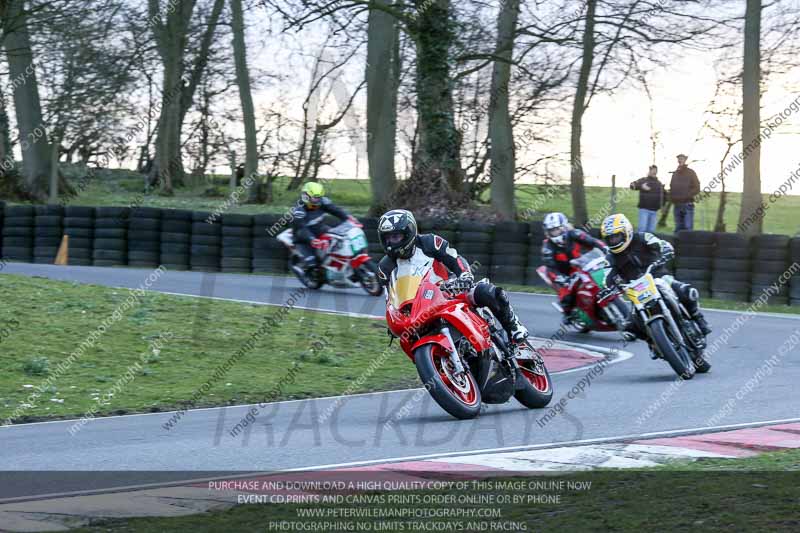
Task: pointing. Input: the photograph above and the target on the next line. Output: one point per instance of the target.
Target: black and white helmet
(556, 226)
(397, 232)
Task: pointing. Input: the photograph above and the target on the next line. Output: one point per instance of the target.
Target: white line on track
(433, 456)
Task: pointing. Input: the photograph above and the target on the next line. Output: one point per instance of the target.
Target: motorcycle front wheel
(309, 278)
(537, 388)
(368, 278)
(677, 357)
(457, 394)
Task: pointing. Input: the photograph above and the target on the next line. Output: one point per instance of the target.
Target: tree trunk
(501, 134)
(33, 137)
(750, 221)
(53, 197)
(6, 155)
(579, 209)
(383, 75)
(438, 161)
(246, 98)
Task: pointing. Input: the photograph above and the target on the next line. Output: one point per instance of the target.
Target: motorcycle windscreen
(407, 278)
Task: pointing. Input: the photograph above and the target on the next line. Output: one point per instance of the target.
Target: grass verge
(753, 494)
(163, 349)
(124, 188)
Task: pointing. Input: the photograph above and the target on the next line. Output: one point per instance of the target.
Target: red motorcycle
(588, 281)
(462, 354)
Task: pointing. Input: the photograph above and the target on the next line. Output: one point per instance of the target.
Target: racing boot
(700, 320)
(516, 330)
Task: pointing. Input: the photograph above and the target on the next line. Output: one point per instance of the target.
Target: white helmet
(556, 226)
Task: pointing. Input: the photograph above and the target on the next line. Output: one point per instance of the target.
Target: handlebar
(456, 285)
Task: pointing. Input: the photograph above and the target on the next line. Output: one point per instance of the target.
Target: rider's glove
(605, 293)
(466, 278)
(561, 279)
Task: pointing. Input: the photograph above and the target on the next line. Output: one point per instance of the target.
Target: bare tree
(27, 105)
(500, 128)
(383, 81)
(751, 119)
(246, 98)
(171, 30)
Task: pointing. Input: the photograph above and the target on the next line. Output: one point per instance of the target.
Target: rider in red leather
(563, 243)
(397, 230)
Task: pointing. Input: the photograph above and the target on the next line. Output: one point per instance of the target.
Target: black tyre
(145, 224)
(78, 211)
(81, 233)
(677, 356)
(537, 390)
(18, 231)
(201, 228)
(368, 278)
(729, 265)
(309, 279)
(207, 240)
(731, 240)
(458, 395)
(237, 231)
(176, 214)
(771, 254)
(732, 253)
(177, 248)
(730, 295)
(110, 233)
(693, 262)
(176, 237)
(111, 244)
(176, 226)
(705, 238)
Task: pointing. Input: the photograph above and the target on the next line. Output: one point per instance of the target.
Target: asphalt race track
(635, 397)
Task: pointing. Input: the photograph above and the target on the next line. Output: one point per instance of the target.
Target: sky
(616, 128)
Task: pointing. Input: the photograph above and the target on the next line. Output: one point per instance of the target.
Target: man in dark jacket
(651, 199)
(682, 189)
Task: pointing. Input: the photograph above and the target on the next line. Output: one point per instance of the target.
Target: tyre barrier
(510, 252)
(475, 245)
(694, 252)
(269, 255)
(206, 243)
(176, 239)
(726, 266)
(144, 237)
(18, 231)
(110, 247)
(770, 259)
(78, 225)
(48, 232)
(730, 270)
(237, 243)
(794, 283)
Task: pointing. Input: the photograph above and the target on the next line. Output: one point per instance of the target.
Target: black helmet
(397, 231)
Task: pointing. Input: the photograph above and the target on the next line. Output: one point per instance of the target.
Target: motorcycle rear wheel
(458, 395)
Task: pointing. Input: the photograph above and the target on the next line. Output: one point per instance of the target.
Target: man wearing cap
(682, 189)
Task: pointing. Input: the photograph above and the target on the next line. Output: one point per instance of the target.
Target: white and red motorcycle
(342, 260)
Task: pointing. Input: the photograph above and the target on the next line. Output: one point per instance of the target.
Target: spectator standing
(682, 190)
(651, 199)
